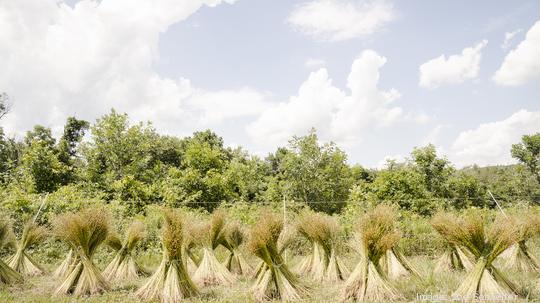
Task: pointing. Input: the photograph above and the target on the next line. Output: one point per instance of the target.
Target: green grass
(40, 289)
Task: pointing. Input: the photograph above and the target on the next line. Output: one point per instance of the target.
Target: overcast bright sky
(376, 77)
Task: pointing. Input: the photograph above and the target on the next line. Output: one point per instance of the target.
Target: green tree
(248, 176)
(202, 180)
(74, 131)
(117, 149)
(528, 153)
(434, 170)
(10, 152)
(466, 191)
(41, 134)
(403, 186)
(315, 174)
(40, 165)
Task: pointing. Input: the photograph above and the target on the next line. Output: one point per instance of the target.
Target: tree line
(114, 159)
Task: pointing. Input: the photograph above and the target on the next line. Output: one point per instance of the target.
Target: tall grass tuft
(286, 238)
(84, 231)
(124, 266)
(235, 236)
(8, 276)
(485, 242)
(309, 263)
(193, 228)
(210, 237)
(171, 282)
(454, 257)
(324, 232)
(274, 279)
(376, 235)
(519, 256)
(21, 261)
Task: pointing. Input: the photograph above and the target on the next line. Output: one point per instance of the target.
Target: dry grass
(124, 266)
(486, 241)
(235, 236)
(69, 260)
(8, 276)
(518, 255)
(210, 236)
(274, 280)
(40, 289)
(454, 257)
(171, 282)
(323, 232)
(84, 231)
(396, 265)
(21, 261)
(368, 281)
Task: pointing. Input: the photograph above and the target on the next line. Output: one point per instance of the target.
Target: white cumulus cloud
(337, 114)
(454, 69)
(522, 64)
(59, 61)
(508, 37)
(336, 20)
(490, 143)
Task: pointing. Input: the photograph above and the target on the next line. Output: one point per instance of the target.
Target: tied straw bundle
(21, 261)
(485, 241)
(124, 266)
(376, 235)
(8, 276)
(84, 231)
(274, 279)
(171, 282)
(210, 270)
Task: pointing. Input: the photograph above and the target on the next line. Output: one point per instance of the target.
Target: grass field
(40, 289)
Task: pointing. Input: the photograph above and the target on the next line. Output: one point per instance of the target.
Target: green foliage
(74, 131)
(467, 191)
(132, 167)
(315, 174)
(528, 153)
(9, 156)
(434, 170)
(40, 134)
(248, 177)
(405, 187)
(68, 198)
(511, 185)
(117, 149)
(18, 203)
(41, 168)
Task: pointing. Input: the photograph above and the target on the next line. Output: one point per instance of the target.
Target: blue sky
(258, 72)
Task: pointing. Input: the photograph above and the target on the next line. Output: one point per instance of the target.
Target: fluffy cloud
(508, 37)
(454, 69)
(490, 143)
(522, 64)
(342, 19)
(338, 115)
(59, 61)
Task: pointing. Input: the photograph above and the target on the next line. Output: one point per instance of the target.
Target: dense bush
(133, 167)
